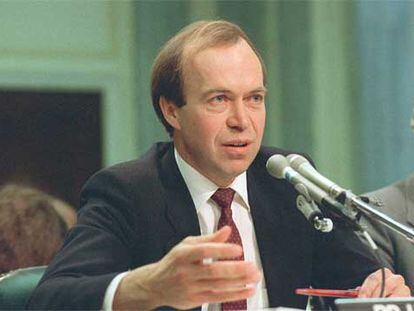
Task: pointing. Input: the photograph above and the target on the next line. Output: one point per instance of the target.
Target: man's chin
(235, 168)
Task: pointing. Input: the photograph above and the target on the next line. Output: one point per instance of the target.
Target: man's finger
(227, 295)
(229, 270)
(223, 284)
(370, 287)
(401, 291)
(226, 280)
(198, 252)
(394, 285)
(221, 235)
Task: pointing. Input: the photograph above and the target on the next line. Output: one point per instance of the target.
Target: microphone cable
(378, 257)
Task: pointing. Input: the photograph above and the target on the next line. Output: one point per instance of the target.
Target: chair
(16, 287)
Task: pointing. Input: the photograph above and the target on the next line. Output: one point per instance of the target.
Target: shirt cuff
(110, 292)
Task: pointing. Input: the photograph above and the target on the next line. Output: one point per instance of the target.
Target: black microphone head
(296, 160)
(276, 165)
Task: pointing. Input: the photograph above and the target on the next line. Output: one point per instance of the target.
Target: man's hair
(167, 72)
(31, 230)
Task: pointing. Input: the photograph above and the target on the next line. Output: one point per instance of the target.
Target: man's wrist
(134, 291)
(110, 292)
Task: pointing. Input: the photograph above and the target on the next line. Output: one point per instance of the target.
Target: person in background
(32, 229)
(198, 221)
(65, 211)
(396, 201)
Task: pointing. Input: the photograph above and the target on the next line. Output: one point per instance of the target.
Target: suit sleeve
(94, 252)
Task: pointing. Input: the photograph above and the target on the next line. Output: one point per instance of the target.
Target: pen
(348, 293)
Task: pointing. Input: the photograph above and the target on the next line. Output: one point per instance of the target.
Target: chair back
(16, 287)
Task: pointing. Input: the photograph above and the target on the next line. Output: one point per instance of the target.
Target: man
(145, 217)
(397, 201)
(31, 229)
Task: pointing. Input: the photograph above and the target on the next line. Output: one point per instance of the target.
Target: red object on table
(347, 293)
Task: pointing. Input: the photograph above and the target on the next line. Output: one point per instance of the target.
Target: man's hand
(394, 285)
(182, 280)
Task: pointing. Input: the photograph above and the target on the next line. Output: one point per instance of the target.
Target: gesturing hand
(182, 280)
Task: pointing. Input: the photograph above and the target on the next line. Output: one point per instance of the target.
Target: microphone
(303, 167)
(353, 203)
(278, 167)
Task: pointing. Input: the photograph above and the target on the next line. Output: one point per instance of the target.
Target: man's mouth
(236, 144)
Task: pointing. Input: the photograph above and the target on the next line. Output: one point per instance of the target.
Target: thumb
(219, 236)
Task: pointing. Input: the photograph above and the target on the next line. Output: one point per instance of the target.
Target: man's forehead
(192, 49)
(208, 92)
(194, 56)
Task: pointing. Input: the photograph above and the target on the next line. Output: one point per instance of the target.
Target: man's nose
(239, 116)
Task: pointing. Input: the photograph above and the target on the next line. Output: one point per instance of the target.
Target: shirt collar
(201, 188)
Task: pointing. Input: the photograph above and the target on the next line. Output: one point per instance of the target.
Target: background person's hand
(181, 279)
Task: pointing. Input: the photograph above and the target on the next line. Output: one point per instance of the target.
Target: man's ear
(169, 110)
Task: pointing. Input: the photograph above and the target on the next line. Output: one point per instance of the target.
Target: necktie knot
(223, 197)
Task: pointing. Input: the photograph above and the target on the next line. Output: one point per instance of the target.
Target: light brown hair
(31, 230)
(167, 71)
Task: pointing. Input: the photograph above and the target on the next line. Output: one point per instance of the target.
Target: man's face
(219, 130)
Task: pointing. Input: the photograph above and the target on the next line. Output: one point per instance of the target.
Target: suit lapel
(180, 210)
(279, 237)
(266, 220)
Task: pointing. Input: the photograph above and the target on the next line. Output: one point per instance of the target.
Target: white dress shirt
(208, 213)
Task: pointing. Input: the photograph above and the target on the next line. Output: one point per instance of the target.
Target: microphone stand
(307, 206)
(310, 210)
(351, 201)
(354, 202)
(350, 218)
(316, 302)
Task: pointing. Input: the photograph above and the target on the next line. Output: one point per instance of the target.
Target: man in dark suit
(137, 244)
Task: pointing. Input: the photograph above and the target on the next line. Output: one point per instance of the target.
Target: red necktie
(223, 197)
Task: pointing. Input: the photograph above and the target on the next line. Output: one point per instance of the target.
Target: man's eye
(257, 98)
(218, 99)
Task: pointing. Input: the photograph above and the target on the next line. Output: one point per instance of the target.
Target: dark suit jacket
(132, 214)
